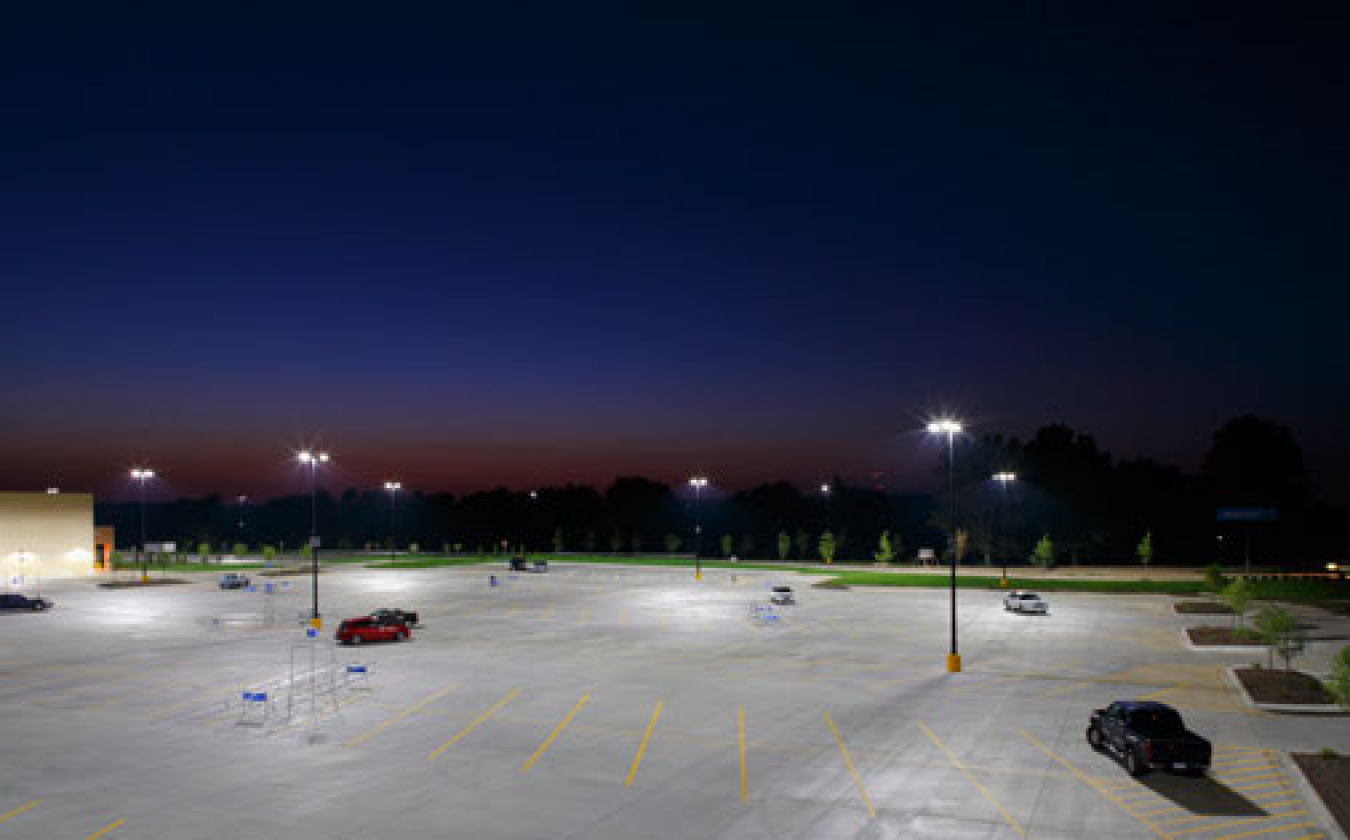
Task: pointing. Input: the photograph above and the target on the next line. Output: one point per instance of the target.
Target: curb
(1287, 708)
(1187, 643)
(1315, 804)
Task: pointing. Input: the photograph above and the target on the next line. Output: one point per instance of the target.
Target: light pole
(141, 475)
(393, 487)
(825, 491)
(698, 482)
(312, 460)
(1004, 478)
(951, 428)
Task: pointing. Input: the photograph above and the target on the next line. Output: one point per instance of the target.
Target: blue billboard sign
(1248, 514)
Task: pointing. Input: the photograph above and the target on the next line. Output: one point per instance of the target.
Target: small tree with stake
(1279, 631)
(1044, 553)
(784, 545)
(1238, 596)
(827, 547)
(1144, 551)
(885, 552)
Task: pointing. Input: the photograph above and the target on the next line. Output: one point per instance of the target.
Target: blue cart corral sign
(1251, 514)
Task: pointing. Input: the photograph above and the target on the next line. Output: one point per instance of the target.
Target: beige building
(46, 535)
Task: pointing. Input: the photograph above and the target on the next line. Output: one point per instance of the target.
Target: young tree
(673, 542)
(305, 552)
(728, 545)
(1338, 684)
(827, 547)
(784, 545)
(1238, 596)
(1281, 633)
(269, 553)
(557, 541)
(204, 552)
(1144, 551)
(1044, 553)
(1214, 579)
(239, 550)
(885, 552)
(962, 541)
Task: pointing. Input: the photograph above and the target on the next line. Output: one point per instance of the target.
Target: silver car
(1025, 602)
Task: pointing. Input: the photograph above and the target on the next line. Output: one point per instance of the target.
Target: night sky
(529, 244)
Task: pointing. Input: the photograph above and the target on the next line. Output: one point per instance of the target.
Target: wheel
(400, 636)
(39, 607)
(1094, 738)
(1133, 765)
(356, 640)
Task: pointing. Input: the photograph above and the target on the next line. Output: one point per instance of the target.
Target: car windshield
(1156, 722)
(1029, 596)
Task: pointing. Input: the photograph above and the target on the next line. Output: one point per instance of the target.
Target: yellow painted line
(1256, 759)
(1065, 689)
(1286, 803)
(105, 829)
(476, 610)
(1233, 748)
(1162, 691)
(1162, 811)
(642, 747)
(1271, 830)
(956, 762)
(1254, 776)
(1241, 823)
(1277, 783)
(1085, 779)
(740, 740)
(408, 711)
(557, 730)
(623, 616)
(546, 613)
(853, 771)
(475, 723)
(982, 684)
(19, 810)
(585, 615)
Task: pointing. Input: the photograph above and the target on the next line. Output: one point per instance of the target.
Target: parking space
(622, 703)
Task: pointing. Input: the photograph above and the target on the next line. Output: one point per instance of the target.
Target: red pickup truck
(355, 631)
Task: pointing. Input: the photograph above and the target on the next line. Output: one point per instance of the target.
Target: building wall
(46, 536)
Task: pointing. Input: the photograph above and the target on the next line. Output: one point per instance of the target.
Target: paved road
(613, 703)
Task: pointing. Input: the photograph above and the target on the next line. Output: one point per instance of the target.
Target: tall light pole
(698, 482)
(1004, 478)
(951, 428)
(393, 487)
(825, 491)
(312, 460)
(141, 475)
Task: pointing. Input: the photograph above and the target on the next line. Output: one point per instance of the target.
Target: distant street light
(698, 482)
(951, 428)
(393, 487)
(141, 475)
(1004, 479)
(312, 460)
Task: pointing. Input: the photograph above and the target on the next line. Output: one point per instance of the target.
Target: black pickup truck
(1148, 735)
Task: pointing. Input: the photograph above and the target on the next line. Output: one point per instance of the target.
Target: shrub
(1338, 685)
(1328, 752)
(1214, 579)
(1238, 596)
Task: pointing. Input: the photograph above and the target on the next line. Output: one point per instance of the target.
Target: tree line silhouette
(1095, 509)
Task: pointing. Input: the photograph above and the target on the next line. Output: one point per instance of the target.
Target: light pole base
(698, 575)
(1003, 583)
(316, 623)
(953, 663)
(145, 578)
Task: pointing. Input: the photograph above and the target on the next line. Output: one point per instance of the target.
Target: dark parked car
(356, 631)
(1147, 735)
(15, 601)
(233, 580)
(395, 616)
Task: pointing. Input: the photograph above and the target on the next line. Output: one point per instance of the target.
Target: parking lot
(605, 702)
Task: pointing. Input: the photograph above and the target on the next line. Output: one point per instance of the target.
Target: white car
(782, 595)
(1025, 602)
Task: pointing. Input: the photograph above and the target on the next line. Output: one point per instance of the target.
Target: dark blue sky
(532, 244)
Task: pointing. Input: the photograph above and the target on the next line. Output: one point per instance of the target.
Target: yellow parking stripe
(1280, 783)
(1253, 776)
(740, 738)
(474, 724)
(1240, 823)
(557, 730)
(956, 762)
(1065, 689)
(1087, 780)
(1266, 830)
(853, 771)
(19, 810)
(105, 829)
(410, 710)
(642, 747)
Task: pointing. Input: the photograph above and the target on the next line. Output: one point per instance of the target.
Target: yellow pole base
(698, 575)
(145, 578)
(1003, 583)
(316, 623)
(953, 663)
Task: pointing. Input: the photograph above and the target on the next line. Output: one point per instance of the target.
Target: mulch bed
(1202, 608)
(135, 584)
(1269, 685)
(1330, 777)
(1221, 636)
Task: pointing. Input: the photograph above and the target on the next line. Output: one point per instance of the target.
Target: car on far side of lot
(357, 631)
(234, 580)
(1022, 601)
(15, 601)
(1146, 734)
(782, 595)
(391, 615)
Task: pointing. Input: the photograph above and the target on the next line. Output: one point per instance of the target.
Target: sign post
(1250, 516)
